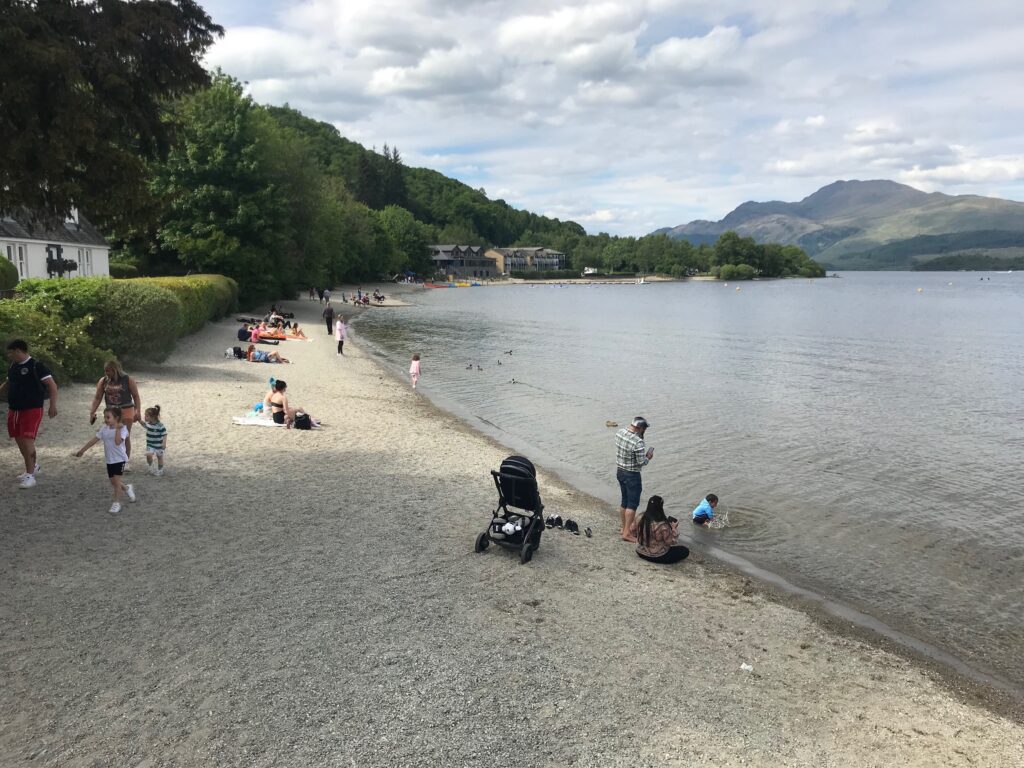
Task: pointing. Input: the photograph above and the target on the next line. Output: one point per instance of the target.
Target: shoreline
(978, 686)
(302, 598)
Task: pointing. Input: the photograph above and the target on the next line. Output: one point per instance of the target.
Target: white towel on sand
(254, 421)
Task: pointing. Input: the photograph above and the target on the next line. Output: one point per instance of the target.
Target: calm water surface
(866, 437)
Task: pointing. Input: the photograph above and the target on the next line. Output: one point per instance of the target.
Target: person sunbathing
(281, 411)
(254, 355)
(297, 332)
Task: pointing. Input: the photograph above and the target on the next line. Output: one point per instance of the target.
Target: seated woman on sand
(254, 355)
(656, 535)
(297, 332)
(281, 411)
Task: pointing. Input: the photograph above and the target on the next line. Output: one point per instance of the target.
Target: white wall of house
(29, 256)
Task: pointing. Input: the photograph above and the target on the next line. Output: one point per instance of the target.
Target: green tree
(82, 86)
(408, 239)
(227, 213)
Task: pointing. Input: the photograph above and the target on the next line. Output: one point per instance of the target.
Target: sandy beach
(288, 598)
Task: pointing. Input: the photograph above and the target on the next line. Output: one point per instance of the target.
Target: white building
(38, 248)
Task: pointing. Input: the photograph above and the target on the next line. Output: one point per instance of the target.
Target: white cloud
(632, 114)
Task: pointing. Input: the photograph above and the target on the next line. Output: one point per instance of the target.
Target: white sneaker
(23, 475)
(115, 508)
(28, 481)
(158, 472)
(130, 490)
(154, 471)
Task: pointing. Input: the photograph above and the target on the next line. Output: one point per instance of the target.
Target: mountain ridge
(846, 223)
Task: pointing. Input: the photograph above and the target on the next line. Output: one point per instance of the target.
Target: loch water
(866, 432)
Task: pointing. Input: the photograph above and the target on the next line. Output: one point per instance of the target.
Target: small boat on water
(435, 285)
(641, 281)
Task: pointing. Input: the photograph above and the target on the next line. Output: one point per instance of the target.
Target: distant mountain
(873, 225)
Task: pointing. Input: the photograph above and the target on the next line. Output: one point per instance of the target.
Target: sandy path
(285, 598)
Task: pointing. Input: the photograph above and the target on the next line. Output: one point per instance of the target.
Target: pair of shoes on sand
(555, 521)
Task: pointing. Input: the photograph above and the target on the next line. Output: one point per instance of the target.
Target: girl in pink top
(340, 333)
(414, 369)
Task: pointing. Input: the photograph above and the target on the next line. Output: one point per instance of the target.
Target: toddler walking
(113, 434)
(414, 369)
(156, 441)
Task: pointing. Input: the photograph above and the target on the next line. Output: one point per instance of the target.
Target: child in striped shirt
(156, 441)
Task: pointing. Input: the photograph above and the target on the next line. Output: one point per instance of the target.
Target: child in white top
(414, 369)
(113, 434)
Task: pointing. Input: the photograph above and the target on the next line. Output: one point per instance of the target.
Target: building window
(21, 261)
(87, 264)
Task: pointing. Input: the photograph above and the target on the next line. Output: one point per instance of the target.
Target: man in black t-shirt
(28, 384)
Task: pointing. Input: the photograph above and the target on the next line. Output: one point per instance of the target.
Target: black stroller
(519, 528)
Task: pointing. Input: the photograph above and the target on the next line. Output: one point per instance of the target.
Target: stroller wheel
(481, 543)
(527, 553)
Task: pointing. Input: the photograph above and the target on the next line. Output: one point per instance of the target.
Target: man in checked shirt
(631, 455)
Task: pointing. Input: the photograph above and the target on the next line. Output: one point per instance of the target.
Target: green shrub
(203, 297)
(120, 271)
(65, 346)
(736, 272)
(138, 321)
(8, 275)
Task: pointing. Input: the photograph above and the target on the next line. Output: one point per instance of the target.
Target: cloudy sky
(628, 115)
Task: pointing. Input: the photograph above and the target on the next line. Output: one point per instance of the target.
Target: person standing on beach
(327, 295)
(414, 369)
(28, 383)
(340, 332)
(631, 456)
(328, 314)
(116, 388)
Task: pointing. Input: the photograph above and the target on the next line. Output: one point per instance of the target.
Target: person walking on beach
(340, 333)
(631, 456)
(114, 436)
(327, 295)
(414, 369)
(28, 384)
(116, 388)
(328, 314)
(156, 441)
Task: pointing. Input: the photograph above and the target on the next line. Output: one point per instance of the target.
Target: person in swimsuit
(118, 390)
(254, 355)
(276, 402)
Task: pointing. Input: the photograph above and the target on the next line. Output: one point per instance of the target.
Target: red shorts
(24, 423)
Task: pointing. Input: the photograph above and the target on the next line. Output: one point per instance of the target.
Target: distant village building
(463, 261)
(531, 259)
(72, 248)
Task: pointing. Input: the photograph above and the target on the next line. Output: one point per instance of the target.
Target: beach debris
(611, 423)
(479, 368)
(588, 531)
(746, 667)
(920, 290)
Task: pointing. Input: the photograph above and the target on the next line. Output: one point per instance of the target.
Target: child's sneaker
(130, 490)
(28, 481)
(35, 472)
(158, 472)
(115, 508)
(154, 470)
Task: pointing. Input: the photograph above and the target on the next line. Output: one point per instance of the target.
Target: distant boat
(433, 285)
(641, 281)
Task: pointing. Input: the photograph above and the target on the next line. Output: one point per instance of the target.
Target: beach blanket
(254, 421)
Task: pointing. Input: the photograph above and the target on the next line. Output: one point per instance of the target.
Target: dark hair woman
(656, 535)
(118, 390)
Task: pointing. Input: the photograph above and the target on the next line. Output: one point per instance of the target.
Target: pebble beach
(291, 598)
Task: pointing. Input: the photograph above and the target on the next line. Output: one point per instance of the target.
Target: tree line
(185, 172)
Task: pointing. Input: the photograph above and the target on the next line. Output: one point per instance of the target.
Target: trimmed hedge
(65, 346)
(139, 319)
(203, 298)
(120, 271)
(8, 274)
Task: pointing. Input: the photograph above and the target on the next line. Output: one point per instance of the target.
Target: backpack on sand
(302, 421)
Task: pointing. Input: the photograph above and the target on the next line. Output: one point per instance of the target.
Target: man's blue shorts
(630, 485)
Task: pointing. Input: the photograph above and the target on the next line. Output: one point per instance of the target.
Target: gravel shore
(287, 598)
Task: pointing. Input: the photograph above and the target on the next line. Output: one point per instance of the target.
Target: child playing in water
(156, 441)
(113, 434)
(414, 369)
(705, 511)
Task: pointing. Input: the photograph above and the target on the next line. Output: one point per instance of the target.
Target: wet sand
(286, 598)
